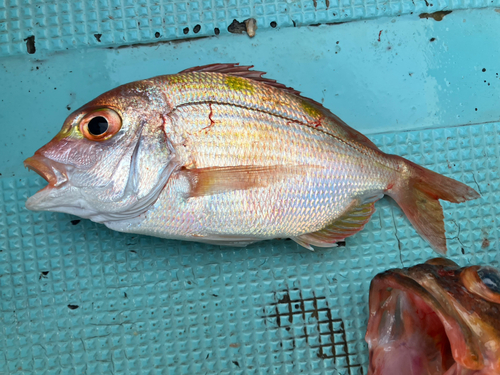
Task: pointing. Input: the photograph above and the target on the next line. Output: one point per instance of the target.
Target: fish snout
(51, 171)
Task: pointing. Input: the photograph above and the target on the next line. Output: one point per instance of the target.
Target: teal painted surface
(76, 298)
(67, 24)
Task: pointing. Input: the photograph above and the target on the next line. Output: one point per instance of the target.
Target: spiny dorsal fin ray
(245, 72)
(240, 71)
(348, 224)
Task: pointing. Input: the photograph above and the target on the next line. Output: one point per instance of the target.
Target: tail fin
(419, 200)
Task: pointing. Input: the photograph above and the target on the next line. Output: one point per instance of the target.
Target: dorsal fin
(348, 224)
(245, 72)
(240, 71)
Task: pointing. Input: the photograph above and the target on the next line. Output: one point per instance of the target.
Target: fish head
(111, 158)
(435, 318)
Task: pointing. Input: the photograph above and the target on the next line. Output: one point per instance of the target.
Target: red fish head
(435, 319)
(109, 161)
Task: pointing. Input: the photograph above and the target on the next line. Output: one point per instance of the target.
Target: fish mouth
(51, 171)
(406, 331)
(41, 166)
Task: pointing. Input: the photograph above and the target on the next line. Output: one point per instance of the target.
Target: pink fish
(218, 154)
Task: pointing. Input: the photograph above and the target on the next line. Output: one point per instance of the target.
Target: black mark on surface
(30, 44)
(331, 341)
(197, 29)
(432, 39)
(484, 70)
(157, 34)
(125, 295)
(171, 42)
(397, 238)
(341, 243)
(437, 16)
(186, 30)
(73, 307)
(133, 251)
(68, 107)
(478, 187)
(43, 274)
(98, 37)
(247, 26)
(236, 363)
(463, 251)
(216, 31)
(273, 24)
(457, 237)
(237, 27)
(74, 222)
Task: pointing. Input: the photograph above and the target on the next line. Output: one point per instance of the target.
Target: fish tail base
(418, 196)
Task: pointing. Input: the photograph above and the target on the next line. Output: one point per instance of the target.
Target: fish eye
(490, 277)
(100, 125)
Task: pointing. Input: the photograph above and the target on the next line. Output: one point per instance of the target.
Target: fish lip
(51, 171)
(41, 165)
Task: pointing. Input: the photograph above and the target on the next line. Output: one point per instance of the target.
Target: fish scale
(266, 213)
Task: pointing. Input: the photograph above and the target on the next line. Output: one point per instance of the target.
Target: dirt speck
(234, 345)
(216, 31)
(30, 44)
(157, 34)
(237, 27)
(98, 37)
(74, 222)
(186, 30)
(73, 307)
(485, 244)
(437, 16)
(197, 29)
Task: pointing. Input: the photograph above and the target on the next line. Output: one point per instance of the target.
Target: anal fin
(346, 225)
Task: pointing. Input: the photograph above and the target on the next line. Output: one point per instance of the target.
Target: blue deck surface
(77, 298)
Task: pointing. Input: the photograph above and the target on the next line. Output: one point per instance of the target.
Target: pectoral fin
(218, 180)
(351, 222)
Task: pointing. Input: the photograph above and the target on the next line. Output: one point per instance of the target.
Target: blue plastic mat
(76, 298)
(67, 24)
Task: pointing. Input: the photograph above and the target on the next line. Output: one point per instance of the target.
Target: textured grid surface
(76, 298)
(63, 24)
